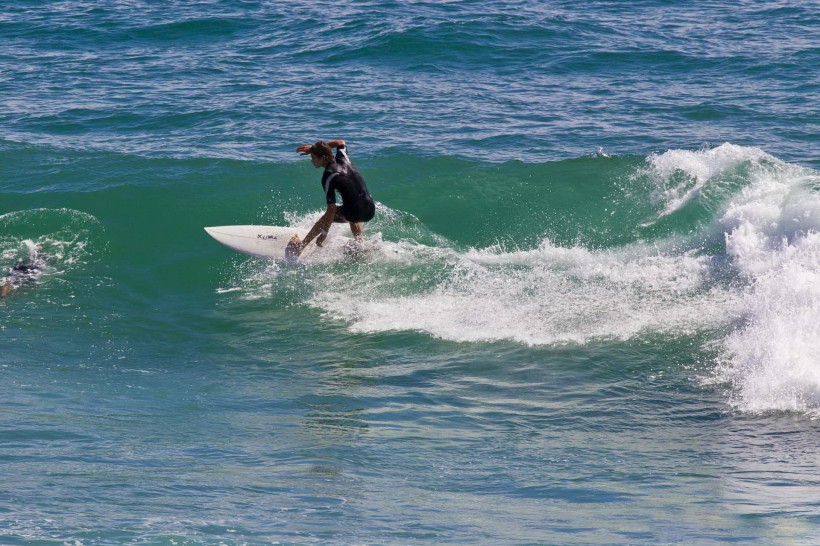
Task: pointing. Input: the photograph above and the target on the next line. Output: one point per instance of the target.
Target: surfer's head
(25, 266)
(321, 154)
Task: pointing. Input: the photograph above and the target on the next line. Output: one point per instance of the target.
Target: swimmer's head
(25, 266)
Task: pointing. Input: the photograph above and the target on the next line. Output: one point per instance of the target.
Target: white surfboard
(271, 242)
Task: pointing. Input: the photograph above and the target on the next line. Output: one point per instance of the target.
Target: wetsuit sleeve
(341, 155)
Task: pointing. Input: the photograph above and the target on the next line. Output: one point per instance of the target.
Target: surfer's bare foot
(356, 229)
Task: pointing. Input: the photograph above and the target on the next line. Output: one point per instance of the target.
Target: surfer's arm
(304, 149)
(321, 227)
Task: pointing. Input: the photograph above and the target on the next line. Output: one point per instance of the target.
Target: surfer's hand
(294, 248)
(304, 149)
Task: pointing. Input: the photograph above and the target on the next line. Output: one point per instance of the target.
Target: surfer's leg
(356, 228)
(341, 216)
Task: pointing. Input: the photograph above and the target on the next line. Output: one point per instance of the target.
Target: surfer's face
(318, 161)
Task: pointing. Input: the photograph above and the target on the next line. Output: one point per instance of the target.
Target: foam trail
(550, 295)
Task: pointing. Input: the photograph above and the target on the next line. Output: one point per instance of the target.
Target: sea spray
(773, 237)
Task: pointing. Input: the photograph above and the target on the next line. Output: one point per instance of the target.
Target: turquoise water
(587, 312)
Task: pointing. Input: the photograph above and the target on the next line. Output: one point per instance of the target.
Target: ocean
(588, 310)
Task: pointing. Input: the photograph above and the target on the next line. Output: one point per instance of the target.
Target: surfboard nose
(217, 232)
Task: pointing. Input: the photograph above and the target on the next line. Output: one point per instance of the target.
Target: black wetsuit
(22, 272)
(24, 268)
(341, 176)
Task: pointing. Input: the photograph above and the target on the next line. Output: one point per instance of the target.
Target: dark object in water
(22, 272)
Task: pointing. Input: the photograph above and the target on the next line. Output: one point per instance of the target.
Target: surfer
(340, 177)
(23, 271)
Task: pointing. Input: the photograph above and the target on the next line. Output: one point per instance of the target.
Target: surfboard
(271, 242)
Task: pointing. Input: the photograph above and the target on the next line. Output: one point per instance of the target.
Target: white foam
(771, 358)
(550, 295)
(773, 236)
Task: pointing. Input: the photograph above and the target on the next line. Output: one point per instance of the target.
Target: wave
(738, 262)
(719, 244)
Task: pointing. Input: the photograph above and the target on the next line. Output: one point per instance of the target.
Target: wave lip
(681, 175)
